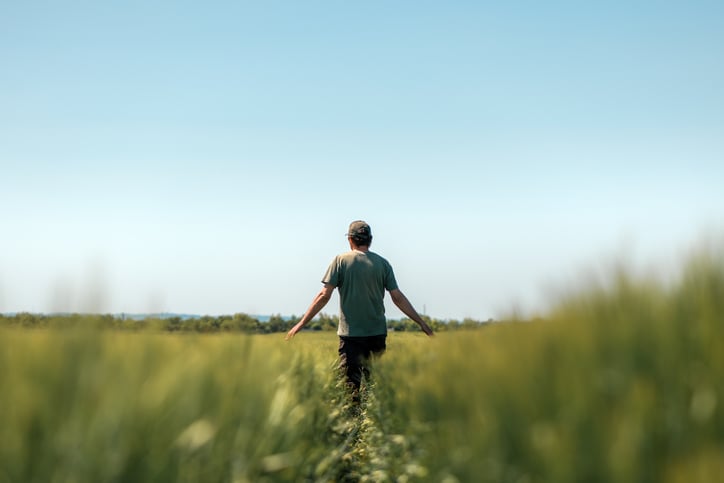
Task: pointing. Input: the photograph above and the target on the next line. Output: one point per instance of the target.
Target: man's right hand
(293, 331)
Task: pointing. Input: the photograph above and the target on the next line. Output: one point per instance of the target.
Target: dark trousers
(355, 353)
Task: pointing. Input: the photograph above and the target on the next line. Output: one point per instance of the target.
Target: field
(620, 382)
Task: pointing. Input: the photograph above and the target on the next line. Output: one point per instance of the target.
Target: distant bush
(209, 324)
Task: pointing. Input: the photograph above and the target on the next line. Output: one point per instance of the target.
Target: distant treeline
(222, 323)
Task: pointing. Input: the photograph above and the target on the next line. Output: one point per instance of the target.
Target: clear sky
(207, 157)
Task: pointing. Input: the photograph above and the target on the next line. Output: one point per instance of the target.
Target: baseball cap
(359, 229)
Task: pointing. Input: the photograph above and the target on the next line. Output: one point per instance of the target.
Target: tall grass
(620, 382)
(107, 406)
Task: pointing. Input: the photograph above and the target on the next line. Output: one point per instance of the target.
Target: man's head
(360, 233)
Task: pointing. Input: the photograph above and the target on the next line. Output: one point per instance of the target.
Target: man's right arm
(320, 300)
(399, 299)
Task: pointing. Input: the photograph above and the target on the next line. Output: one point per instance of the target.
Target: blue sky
(208, 157)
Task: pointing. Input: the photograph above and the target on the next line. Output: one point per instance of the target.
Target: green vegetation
(620, 382)
(206, 324)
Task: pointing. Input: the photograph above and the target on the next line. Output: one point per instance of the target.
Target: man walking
(361, 277)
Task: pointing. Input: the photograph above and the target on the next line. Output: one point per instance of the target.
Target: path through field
(365, 443)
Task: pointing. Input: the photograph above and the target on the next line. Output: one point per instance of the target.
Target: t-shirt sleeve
(331, 276)
(390, 282)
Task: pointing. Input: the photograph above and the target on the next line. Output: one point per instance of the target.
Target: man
(361, 277)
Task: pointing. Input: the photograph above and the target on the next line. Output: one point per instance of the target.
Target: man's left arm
(406, 307)
(320, 300)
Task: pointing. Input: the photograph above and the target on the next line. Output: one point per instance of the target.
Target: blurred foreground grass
(621, 382)
(109, 406)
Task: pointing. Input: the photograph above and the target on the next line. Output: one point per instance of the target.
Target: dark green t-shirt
(361, 278)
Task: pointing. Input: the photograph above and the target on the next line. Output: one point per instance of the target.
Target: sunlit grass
(619, 382)
(108, 406)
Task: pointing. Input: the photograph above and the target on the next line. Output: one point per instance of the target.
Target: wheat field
(619, 382)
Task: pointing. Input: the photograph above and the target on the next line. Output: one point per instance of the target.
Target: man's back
(361, 278)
